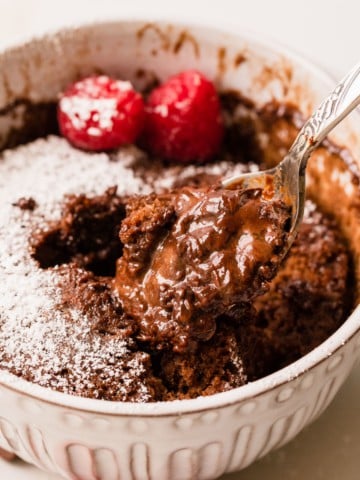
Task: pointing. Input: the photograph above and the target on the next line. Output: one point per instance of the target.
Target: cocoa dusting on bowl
(75, 262)
(27, 121)
(186, 37)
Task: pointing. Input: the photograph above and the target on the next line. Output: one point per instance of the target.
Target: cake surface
(67, 319)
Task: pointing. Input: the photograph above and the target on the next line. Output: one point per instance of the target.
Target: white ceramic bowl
(189, 439)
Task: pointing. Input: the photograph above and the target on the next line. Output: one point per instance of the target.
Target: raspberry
(100, 113)
(183, 119)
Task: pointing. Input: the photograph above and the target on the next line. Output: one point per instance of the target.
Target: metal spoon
(287, 179)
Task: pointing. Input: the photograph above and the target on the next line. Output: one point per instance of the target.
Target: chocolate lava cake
(82, 234)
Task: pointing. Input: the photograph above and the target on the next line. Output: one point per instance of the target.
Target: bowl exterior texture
(196, 439)
(194, 445)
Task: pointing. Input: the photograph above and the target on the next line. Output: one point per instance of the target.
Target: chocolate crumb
(26, 204)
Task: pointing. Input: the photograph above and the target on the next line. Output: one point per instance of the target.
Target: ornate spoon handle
(291, 171)
(341, 101)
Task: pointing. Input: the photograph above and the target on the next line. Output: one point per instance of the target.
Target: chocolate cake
(88, 307)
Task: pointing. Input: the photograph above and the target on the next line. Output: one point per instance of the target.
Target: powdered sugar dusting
(40, 338)
(33, 332)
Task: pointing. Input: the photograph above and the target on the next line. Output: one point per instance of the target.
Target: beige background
(325, 31)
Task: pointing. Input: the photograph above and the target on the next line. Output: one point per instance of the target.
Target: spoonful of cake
(286, 181)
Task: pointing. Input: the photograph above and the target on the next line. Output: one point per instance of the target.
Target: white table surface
(326, 31)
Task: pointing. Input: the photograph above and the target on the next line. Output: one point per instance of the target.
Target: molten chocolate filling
(193, 255)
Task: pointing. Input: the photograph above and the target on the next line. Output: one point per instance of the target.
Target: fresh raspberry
(101, 113)
(183, 119)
